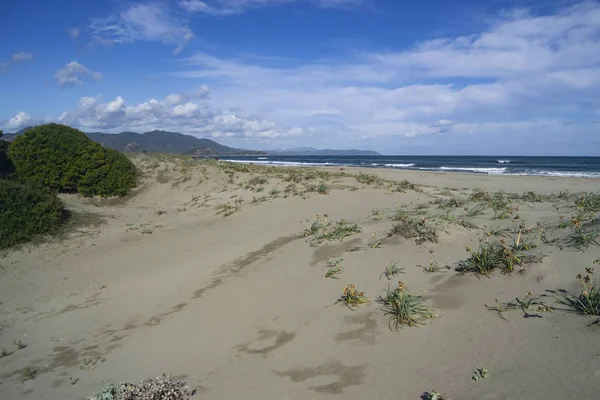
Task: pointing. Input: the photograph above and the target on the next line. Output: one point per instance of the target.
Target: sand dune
(184, 278)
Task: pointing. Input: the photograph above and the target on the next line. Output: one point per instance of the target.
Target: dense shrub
(117, 177)
(65, 159)
(26, 211)
(6, 165)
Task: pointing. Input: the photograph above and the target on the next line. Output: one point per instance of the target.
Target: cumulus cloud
(74, 74)
(228, 7)
(185, 112)
(143, 22)
(20, 120)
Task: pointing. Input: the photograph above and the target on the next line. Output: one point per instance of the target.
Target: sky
(439, 77)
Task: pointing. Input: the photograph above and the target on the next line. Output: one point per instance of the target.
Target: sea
(573, 167)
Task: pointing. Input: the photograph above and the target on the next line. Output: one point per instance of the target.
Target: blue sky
(400, 77)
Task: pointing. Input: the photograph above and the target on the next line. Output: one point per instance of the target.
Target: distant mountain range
(173, 142)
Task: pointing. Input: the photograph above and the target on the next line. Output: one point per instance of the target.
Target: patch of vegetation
(369, 179)
(418, 228)
(27, 211)
(587, 302)
(5, 353)
(391, 271)
(352, 297)
(433, 395)
(531, 306)
(583, 235)
(61, 158)
(20, 345)
(479, 374)
(475, 210)
(451, 202)
(494, 255)
(6, 165)
(433, 265)
(333, 268)
(463, 221)
(29, 373)
(322, 229)
(588, 203)
(229, 208)
(405, 308)
(159, 388)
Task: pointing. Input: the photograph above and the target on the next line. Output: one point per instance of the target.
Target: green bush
(118, 176)
(64, 159)
(6, 165)
(26, 211)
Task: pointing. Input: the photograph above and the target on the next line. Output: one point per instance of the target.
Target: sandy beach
(206, 273)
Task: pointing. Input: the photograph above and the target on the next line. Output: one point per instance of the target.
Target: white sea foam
(560, 174)
(282, 163)
(480, 170)
(399, 165)
(504, 161)
(263, 158)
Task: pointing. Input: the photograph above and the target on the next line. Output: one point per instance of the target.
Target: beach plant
(433, 395)
(587, 302)
(332, 272)
(20, 345)
(159, 388)
(333, 267)
(433, 265)
(322, 189)
(531, 306)
(475, 210)
(493, 255)
(5, 353)
(581, 237)
(352, 297)
(588, 203)
(391, 271)
(451, 202)
(463, 221)
(228, 208)
(404, 308)
(322, 229)
(479, 374)
(369, 179)
(29, 373)
(562, 223)
(419, 228)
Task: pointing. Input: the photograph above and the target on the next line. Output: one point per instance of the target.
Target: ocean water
(575, 167)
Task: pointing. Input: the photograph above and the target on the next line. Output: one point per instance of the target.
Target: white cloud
(228, 7)
(18, 121)
(14, 60)
(186, 112)
(73, 32)
(74, 74)
(22, 57)
(143, 22)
